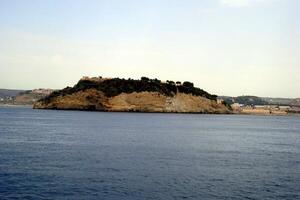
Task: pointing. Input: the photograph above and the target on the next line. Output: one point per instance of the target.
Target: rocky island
(144, 95)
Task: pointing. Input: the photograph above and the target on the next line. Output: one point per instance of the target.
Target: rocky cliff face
(92, 99)
(143, 101)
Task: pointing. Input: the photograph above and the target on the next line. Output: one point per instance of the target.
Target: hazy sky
(227, 47)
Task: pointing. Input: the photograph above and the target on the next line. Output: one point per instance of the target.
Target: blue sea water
(48, 154)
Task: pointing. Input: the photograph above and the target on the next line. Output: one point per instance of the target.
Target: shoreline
(194, 113)
(16, 105)
(136, 111)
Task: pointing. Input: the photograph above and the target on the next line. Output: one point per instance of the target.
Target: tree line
(115, 86)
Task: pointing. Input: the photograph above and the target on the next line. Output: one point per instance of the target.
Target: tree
(146, 79)
(188, 84)
(171, 82)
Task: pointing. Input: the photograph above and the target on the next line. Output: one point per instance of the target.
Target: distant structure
(95, 79)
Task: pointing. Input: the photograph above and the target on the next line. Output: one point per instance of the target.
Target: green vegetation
(116, 86)
(250, 100)
(246, 100)
(278, 101)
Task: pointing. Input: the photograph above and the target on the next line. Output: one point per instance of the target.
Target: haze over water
(47, 154)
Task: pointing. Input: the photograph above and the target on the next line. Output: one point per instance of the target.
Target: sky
(226, 47)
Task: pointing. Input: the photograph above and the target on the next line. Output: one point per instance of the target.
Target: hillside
(5, 93)
(144, 95)
(246, 100)
(296, 102)
(278, 101)
(254, 100)
(23, 97)
(31, 96)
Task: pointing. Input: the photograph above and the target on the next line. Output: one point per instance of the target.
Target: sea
(51, 154)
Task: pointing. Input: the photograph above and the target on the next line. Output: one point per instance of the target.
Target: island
(129, 95)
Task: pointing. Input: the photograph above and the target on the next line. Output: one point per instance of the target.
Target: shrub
(116, 86)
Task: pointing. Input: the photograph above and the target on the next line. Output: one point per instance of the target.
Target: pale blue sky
(227, 47)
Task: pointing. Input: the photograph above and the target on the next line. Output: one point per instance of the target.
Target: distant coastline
(146, 95)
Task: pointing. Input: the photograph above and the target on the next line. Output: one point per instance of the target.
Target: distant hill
(278, 101)
(246, 100)
(4, 93)
(254, 100)
(22, 97)
(296, 102)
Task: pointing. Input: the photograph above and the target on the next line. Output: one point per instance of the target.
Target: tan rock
(93, 99)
